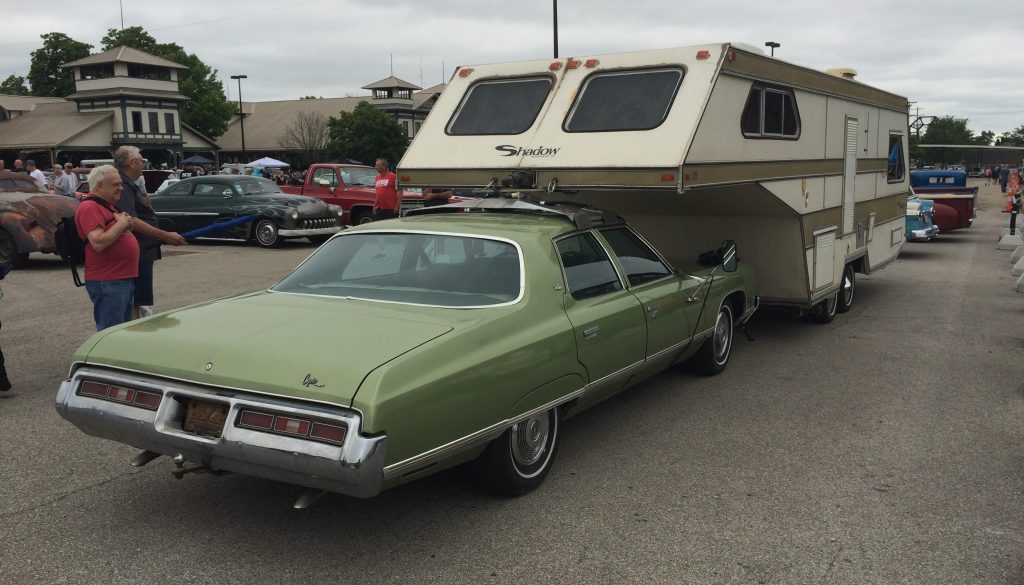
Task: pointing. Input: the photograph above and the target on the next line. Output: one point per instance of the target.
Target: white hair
(98, 174)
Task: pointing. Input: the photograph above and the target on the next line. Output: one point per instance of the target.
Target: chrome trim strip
(441, 453)
(309, 232)
(186, 214)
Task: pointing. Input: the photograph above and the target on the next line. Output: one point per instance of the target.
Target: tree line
(953, 130)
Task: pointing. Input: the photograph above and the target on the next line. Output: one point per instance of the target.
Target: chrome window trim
(346, 233)
(662, 259)
(600, 242)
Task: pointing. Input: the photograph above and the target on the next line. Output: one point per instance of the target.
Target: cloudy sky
(951, 58)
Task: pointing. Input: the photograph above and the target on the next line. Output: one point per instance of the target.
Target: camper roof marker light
(572, 64)
(668, 177)
(404, 178)
(703, 54)
(465, 71)
(591, 63)
(555, 65)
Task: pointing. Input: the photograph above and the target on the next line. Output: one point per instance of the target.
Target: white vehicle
(805, 170)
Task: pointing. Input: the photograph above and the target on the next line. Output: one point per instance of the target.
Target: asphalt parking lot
(885, 447)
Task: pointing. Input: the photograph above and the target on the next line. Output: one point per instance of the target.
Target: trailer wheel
(824, 311)
(846, 289)
(713, 356)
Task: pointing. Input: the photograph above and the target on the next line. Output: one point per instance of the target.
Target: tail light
(292, 426)
(130, 396)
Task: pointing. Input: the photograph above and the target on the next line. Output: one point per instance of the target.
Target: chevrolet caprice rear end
(227, 429)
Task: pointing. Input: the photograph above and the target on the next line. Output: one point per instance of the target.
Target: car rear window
(500, 106)
(415, 268)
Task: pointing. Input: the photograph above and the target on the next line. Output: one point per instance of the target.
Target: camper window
(770, 113)
(896, 166)
(624, 100)
(500, 106)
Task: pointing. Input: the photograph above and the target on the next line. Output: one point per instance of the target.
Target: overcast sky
(951, 58)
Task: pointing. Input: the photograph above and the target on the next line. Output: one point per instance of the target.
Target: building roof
(128, 91)
(25, 103)
(268, 120)
(48, 125)
(425, 99)
(125, 55)
(391, 83)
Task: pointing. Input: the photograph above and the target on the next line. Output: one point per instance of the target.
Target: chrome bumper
(924, 234)
(309, 232)
(354, 468)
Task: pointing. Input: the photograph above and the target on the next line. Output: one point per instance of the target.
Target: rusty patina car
(29, 215)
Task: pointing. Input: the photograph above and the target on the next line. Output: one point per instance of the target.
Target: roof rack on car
(581, 216)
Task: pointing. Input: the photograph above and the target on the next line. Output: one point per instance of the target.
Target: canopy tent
(267, 162)
(197, 160)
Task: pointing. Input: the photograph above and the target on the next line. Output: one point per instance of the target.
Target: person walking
(135, 202)
(387, 204)
(74, 176)
(1004, 176)
(111, 252)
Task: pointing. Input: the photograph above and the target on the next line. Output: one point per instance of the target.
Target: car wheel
(266, 233)
(518, 461)
(319, 240)
(824, 311)
(846, 290)
(362, 216)
(9, 251)
(713, 356)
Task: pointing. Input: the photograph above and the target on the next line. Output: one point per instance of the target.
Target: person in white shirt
(74, 177)
(30, 166)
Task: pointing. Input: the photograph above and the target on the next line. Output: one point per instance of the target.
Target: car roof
(227, 179)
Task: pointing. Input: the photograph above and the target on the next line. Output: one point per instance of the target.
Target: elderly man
(111, 253)
(62, 182)
(74, 176)
(135, 202)
(19, 167)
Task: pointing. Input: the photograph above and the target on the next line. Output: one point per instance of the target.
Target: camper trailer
(805, 170)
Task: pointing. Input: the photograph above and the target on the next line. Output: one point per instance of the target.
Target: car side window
(639, 261)
(588, 270)
(180, 189)
(325, 177)
(211, 190)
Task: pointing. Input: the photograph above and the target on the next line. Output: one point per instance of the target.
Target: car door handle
(652, 310)
(591, 331)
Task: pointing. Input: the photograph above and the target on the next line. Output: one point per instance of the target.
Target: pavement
(885, 447)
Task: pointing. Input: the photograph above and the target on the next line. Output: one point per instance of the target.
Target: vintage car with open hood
(399, 348)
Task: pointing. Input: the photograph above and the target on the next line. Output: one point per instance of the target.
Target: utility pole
(554, 17)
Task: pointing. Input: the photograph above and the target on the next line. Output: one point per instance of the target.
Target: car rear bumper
(354, 467)
(924, 234)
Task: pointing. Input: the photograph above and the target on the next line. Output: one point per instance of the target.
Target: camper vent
(844, 72)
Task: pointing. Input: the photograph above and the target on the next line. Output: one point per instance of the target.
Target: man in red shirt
(111, 251)
(387, 203)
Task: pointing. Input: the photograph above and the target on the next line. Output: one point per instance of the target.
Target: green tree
(985, 138)
(14, 85)
(1015, 138)
(365, 134)
(207, 109)
(45, 74)
(948, 130)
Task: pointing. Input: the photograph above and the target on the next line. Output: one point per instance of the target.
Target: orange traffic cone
(1012, 189)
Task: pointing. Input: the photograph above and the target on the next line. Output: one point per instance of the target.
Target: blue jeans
(111, 301)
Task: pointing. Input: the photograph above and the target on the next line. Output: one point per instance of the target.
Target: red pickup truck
(350, 187)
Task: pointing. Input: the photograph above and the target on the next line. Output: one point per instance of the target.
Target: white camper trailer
(805, 170)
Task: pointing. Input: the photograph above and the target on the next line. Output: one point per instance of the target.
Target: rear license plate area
(205, 418)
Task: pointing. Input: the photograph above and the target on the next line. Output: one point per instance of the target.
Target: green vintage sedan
(399, 348)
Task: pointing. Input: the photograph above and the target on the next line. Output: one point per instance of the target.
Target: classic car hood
(282, 344)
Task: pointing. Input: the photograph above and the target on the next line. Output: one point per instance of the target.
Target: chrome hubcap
(530, 439)
(265, 232)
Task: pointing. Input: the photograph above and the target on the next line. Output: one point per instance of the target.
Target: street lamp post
(773, 46)
(241, 115)
(554, 18)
